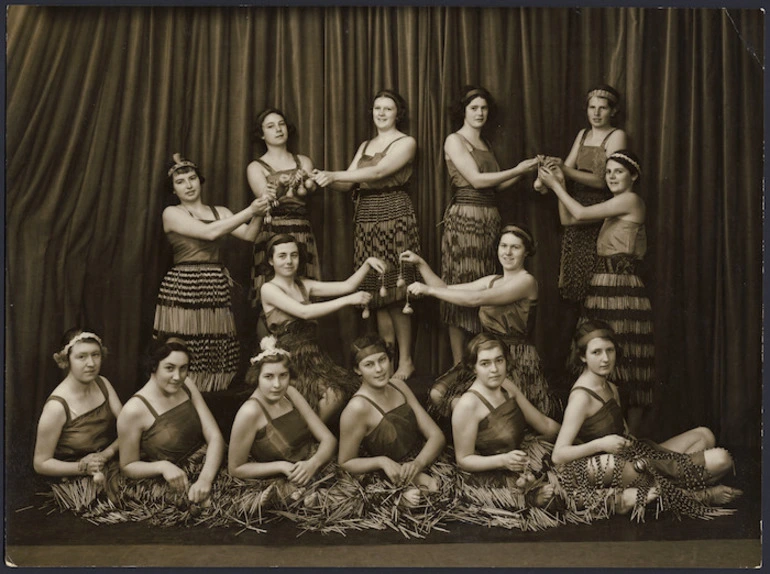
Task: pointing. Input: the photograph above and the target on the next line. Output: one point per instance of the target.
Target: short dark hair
(258, 132)
(467, 95)
(482, 342)
(580, 342)
(522, 233)
(159, 349)
(402, 112)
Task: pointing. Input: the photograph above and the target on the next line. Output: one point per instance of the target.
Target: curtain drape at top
(98, 99)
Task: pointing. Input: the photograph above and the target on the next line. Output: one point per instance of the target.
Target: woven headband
(179, 163)
(361, 354)
(603, 94)
(596, 333)
(627, 161)
(77, 339)
(510, 228)
(475, 93)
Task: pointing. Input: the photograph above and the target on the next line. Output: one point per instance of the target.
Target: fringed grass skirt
(372, 502)
(80, 494)
(316, 371)
(194, 304)
(494, 498)
(468, 252)
(578, 247)
(385, 226)
(299, 227)
(525, 369)
(678, 477)
(616, 295)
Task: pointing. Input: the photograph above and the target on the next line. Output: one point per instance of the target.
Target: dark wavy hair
(482, 342)
(579, 345)
(467, 95)
(402, 112)
(159, 349)
(258, 132)
(522, 233)
(182, 170)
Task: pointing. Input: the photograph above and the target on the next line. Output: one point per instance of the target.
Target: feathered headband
(179, 163)
(269, 349)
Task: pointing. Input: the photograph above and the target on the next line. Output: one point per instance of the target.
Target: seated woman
(76, 434)
(506, 307)
(289, 315)
(593, 449)
(275, 434)
(489, 424)
(166, 430)
(398, 436)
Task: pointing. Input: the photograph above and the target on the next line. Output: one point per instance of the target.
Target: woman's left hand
(324, 178)
(302, 472)
(377, 264)
(199, 491)
(548, 176)
(417, 289)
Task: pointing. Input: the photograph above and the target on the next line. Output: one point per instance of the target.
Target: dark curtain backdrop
(98, 99)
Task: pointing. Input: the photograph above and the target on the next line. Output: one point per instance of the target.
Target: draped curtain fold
(99, 98)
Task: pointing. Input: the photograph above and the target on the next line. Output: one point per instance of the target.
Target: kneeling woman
(166, 430)
(593, 449)
(76, 434)
(489, 423)
(275, 435)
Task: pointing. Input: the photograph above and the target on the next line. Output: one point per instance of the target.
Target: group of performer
(509, 462)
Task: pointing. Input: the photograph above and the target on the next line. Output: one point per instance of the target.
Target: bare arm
(244, 430)
(465, 427)
(434, 438)
(522, 287)
(133, 420)
(49, 429)
(176, 219)
(115, 406)
(543, 425)
(401, 153)
(322, 179)
(273, 297)
(353, 429)
(327, 444)
(616, 141)
(455, 150)
(216, 444)
(337, 288)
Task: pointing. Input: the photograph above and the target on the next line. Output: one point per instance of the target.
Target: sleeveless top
(513, 323)
(174, 435)
(284, 438)
(397, 433)
(502, 430)
(277, 318)
(289, 202)
(194, 250)
(90, 432)
(393, 181)
(607, 420)
(592, 158)
(619, 236)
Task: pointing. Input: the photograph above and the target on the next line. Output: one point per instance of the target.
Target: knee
(706, 437)
(331, 400)
(718, 461)
(437, 393)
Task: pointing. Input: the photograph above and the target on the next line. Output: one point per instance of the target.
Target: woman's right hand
(260, 206)
(92, 463)
(175, 477)
(515, 460)
(613, 443)
(411, 257)
(391, 469)
(528, 165)
(359, 298)
(417, 289)
(287, 468)
(377, 265)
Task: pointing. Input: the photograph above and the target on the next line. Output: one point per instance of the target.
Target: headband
(626, 160)
(509, 228)
(475, 93)
(599, 93)
(596, 333)
(364, 352)
(77, 339)
(269, 349)
(179, 163)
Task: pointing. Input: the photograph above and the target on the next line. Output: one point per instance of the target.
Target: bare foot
(427, 482)
(544, 495)
(626, 500)
(719, 495)
(404, 371)
(411, 497)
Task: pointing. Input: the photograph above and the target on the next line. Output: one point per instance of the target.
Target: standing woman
(506, 305)
(76, 434)
(615, 293)
(472, 220)
(167, 430)
(290, 316)
(194, 302)
(584, 166)
(385, 223)
(283, 175)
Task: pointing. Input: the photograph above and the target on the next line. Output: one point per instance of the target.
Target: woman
(275, 435)
(593, 449)
(615, 293)
(290, 316)
(76, 434)
(385, 224)
(584, 166)
(398, 437)
(285, 176)
(472, 220)
(194, 300)
(166, 430)
(506, 307)
(489, 424)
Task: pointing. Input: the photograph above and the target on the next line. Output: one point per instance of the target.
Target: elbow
(557, 456)
(462, 463)
(39, 466)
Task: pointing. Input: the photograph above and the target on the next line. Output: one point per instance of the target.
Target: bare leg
(693, 440)
(385, 327)
(329, 404)
(402, 325)
(718, 495)
(457, 341)
(437, 393)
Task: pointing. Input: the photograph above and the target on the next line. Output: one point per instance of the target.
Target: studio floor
(40, 537)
